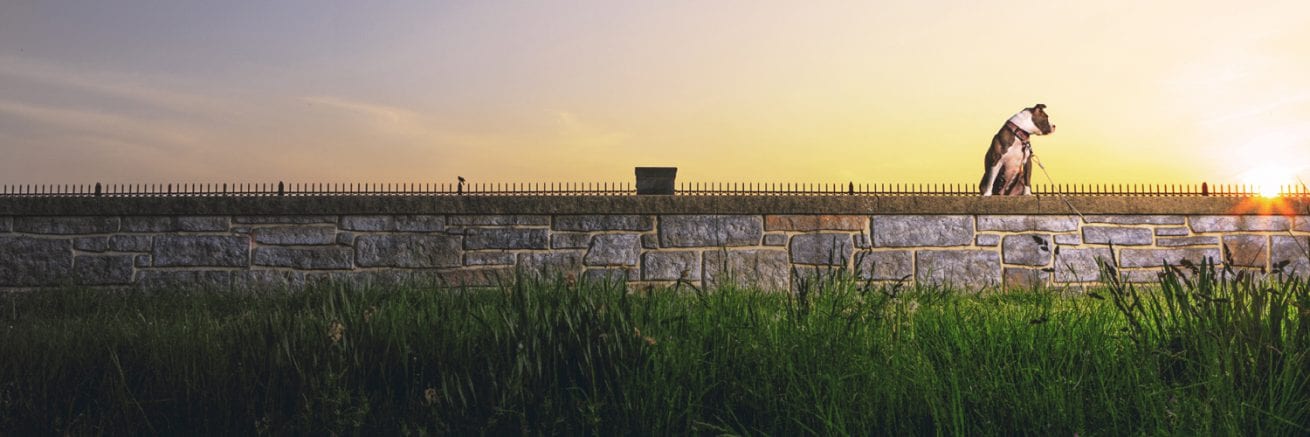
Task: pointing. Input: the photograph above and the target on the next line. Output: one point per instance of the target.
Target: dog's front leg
(1028, 177)
(989, 178)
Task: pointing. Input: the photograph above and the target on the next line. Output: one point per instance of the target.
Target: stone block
(1117, 236)
(6, 224)
(1140, 276)
(498, 220)
(1028, 223)
(815, 222)
(1187, 241)
(104, 269)
(346, 238)
(987, 240)
(489, 258)
(26, 261)
(766, 269)
(614, 249)
(650, 241)
(590, 223)
(201, 251)
(91, 244)
(862, 241)
(66, 225)
(670, 266)
(420, 223)
(1233, 223)
(1172, 231)
(174, 280)
(610, 276)
(922, 230)
(479, 277)
(549, 264)
(822, 248)
(143, 261)
(1285, 248)
(296, 235)
(1302, 223)
(285, 219)
(1017, 277)
(268, 280)
(130, 243)
(368, 223)
(1130, 258)
(775, 239)
(812, 278)
(506, 238)
(175, 224)
(408, 251)
(1247, 250)
(1080, 265)
(892, 265)
(1068, 239)
(971, 268)
(1137, 219)
(305, 258)
(570, 240)
(1027, 249)
(710, 230)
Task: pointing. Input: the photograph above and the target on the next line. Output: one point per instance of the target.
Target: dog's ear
(1039, 106)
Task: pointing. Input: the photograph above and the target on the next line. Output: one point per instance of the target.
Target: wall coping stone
(615, 205)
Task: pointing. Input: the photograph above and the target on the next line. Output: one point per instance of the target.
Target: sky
(749, 91)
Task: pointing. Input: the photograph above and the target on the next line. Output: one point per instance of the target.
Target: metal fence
(618, 189)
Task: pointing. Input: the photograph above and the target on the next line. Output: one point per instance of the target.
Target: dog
(1007, 167)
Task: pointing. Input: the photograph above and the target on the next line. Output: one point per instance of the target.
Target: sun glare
(1267, 181)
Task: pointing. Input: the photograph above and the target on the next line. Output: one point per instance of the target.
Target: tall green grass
(1198, 354)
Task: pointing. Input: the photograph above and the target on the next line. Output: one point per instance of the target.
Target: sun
(1267, 181)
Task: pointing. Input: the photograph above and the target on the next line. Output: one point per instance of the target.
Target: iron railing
(618, 189)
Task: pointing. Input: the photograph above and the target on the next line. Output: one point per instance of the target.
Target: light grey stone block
(175, 224)
(476, 277)
(506, 238)
(267, 280)
(173, 280)
(489, 258)
(296, 235)
(1138, 219)
(922, 230)
(1187, 241)
(1173, 231)
(1295, 251)
(1028, 223)
(143, 261)
(587, 223)
(285, 219)
(650, 241)
(987, 240)
(1117, 236)
(305, 258)
(549, 264)
(202, 223)
(66, 225)
(1080, 265)
(104, 269)
(498, 220)
(1247, 250)
(201, 251)
(368, 223)
(610, 276)
(570, 240)
(670, 266)
(862, 241)
(28, 261)
(91, 244)
(408, 251)
(1027, 249)
(766, 269)
(1158, 257)
(1068, 239)
(972, 268)
(822, 248)
(710, 230)
(346, 238)
(1302, 223)
(1140, 276)
(775, 239)
(885, 265)
(614, 249)
(420, 223)
(1231, 223)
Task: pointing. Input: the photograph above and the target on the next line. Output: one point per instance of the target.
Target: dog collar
(1022, 134)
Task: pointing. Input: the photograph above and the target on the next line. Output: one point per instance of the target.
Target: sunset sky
(887, 91)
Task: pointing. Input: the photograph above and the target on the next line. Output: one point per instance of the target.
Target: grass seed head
(336, 330)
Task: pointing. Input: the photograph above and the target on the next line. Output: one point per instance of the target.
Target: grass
(1201, 353)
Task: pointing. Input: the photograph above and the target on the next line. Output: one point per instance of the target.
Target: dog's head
(1034, 120)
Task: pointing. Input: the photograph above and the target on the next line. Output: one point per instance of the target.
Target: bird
(459, 189)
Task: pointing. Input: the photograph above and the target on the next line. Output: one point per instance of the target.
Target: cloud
(127, 129)
(148, 92)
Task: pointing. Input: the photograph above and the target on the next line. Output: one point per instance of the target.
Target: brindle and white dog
(1007, 168)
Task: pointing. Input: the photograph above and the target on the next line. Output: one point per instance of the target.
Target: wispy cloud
(145, 91)
(128, 129)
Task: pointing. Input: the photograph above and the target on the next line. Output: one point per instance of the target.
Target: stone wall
(273, 241)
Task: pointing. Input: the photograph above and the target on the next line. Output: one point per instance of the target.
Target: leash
(1052, 182)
